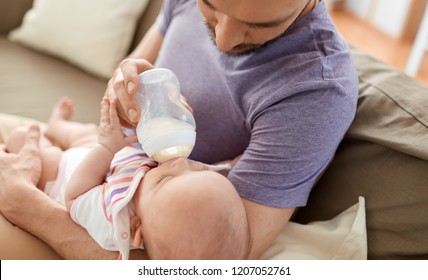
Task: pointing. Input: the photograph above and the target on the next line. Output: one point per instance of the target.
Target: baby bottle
(166, 129)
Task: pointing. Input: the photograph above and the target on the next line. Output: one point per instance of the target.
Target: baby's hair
(211, 224)
(228, 239)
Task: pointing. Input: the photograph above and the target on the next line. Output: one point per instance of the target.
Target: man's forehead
(257, 11)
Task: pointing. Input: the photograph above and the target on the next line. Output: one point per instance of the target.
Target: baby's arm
(92, 170)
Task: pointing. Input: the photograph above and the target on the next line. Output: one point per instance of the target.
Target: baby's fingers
(105, 108)
(114, 118)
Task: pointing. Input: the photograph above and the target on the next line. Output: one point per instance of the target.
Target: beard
(238, 50)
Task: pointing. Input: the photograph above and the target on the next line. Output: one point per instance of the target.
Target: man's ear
(136, 231)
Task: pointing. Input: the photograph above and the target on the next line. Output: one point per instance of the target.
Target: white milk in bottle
(166, 129)
(165, 138)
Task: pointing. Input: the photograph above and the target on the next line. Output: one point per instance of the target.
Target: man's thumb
(33, 136)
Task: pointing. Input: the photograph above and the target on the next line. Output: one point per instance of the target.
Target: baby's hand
(110, 130)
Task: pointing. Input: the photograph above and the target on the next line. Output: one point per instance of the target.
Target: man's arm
(24, 205)
(149, 46)
(51, 222)
(265, 224)
(124, 89)
(27, 207)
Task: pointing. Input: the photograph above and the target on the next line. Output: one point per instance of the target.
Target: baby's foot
(62, 111)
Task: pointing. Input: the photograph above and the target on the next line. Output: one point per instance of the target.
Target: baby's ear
(136, 231)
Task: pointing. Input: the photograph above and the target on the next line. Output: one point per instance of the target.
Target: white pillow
(341, 238)
(94, 35)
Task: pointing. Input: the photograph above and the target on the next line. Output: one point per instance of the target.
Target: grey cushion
(384, 157)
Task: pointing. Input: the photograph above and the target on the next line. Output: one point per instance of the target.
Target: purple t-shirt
(285, 107)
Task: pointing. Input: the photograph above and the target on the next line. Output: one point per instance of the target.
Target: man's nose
(229, 33)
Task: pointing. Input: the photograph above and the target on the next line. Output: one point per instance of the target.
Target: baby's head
(188, 212)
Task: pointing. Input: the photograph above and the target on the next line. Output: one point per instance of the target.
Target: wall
(359, 7)
(387, 15)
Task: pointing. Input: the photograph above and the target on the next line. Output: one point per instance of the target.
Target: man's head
(242, 26)
(188, 212)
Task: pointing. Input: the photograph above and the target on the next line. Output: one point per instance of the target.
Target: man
(271, 84)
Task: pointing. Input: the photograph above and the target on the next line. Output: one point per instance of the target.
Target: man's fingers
(105, 112)
(130, 70)
(130, 73)
(123, 87)
(30, 152)
(28, 158)
(114, 119)
(128, 104)
(32, 137)
(183, 100)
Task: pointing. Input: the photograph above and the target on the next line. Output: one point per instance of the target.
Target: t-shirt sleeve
(166, 14)
(291, 144)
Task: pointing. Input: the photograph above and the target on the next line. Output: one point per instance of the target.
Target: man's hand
(231, 162)
(20, 170)
(122, 88)
(26, 164)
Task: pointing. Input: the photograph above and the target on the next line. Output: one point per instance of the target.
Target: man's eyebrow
(272, 23)
(208, 4)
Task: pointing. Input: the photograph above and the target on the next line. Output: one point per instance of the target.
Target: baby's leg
(67, 134)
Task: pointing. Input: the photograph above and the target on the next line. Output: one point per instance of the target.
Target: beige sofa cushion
(94, 35)
(146, 21)
(341, 238)
(384, 158)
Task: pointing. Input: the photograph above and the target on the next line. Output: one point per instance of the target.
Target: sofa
(44, 78)
(383, 156)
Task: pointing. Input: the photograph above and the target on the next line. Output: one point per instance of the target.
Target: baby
(177, 210)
